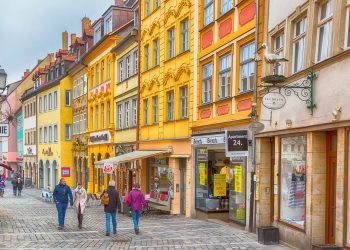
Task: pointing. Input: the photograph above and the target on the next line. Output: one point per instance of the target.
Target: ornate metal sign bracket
(303, 90)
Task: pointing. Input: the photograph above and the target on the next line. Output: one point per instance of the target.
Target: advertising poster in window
(202, 173)
(219, 185)
(238, 179)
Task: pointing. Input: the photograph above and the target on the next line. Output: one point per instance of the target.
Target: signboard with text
(65, 172)
(236, 143)
(4, 130)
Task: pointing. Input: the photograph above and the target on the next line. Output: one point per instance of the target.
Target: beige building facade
(302, 153)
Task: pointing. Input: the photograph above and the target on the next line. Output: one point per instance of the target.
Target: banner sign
(108, 168)
(236, 143)
(219, 185)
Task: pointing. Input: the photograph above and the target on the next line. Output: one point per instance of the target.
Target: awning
(132, 156)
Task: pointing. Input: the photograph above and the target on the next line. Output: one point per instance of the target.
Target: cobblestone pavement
(27, 222)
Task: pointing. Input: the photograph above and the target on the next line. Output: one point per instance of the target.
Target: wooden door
(331, 186)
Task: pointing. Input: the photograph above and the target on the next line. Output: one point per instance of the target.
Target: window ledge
(244, 93)
(126, 79)
(223, 99)
(222, 16)
(207, 26)
(207, 104)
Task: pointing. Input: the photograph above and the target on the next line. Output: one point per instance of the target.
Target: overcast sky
(29, 29)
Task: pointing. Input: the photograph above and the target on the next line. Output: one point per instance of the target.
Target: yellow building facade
(166, 108)
(54, 126)
(125, 103)
(223, 102)
(100, 130)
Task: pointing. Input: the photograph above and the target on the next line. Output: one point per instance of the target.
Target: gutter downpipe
(254, 116)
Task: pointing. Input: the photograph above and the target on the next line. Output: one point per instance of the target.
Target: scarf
(80, 191)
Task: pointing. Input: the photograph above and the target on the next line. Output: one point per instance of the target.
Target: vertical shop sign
(108, 168)
(202, 174)
(236, 143)
(219, 185)
(238, 179)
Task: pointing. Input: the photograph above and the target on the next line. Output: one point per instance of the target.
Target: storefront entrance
(331, 186)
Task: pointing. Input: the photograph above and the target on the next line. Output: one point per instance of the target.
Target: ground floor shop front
(302, 185)
(222, 183)
(166, 177)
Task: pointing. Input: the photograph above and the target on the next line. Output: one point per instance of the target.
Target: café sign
(274, 100)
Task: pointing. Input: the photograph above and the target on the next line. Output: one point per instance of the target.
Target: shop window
(247, 67)
(160, 178)
(293, 180)
(324, 30)
(220, 184)
(299, 44)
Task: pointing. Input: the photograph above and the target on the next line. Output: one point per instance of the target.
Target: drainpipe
(254, 114)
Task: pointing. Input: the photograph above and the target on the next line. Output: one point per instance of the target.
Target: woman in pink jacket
(136, 201)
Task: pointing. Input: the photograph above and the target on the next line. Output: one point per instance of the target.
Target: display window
(220, 184)
(293, 180)
(160, 179)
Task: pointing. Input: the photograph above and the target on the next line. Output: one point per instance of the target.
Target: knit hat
(111, 183)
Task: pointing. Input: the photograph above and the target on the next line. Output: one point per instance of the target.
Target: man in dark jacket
(14, 185)
(60, 196)
(111, 208)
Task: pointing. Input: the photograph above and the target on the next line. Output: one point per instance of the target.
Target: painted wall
(279, 9)
(19, 128)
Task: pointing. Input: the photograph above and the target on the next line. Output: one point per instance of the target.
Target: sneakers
(60, 227)
(137, 231)
(114, 232)
(107, 234)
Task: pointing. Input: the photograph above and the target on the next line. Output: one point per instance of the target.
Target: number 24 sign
(108, 168)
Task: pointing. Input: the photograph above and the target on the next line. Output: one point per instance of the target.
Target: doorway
(331, 186)
(182, 164)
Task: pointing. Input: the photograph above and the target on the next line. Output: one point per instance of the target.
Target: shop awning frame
(132, 156)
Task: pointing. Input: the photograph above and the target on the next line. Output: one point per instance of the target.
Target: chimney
(25, 74)
(73, 38)
(85, 24)
(119, 2)
(65, 40)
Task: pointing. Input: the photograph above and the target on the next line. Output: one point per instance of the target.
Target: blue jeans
(136, 218)
(61, 209)
(108, 222)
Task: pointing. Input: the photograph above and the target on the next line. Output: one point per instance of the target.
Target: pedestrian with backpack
(136, 201)
(110, 200)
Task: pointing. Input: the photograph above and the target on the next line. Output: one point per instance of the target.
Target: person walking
(60, 196)
(136, 201)
(14, 186)
(80, 197)
(2, 187)
(19, 186)
(110, 200)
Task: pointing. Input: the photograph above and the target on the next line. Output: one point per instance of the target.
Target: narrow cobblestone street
(27, 222)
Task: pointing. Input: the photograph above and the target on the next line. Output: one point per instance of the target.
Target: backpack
(105, 198)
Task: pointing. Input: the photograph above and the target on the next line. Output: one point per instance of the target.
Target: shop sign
(208, 140)
(219, 185)
(100, 137)
(274, 100)
(238, 179)
(202, 154)
(202, 174)
(236, 143)
(65, 172)
(108, 168)
(4, 130)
